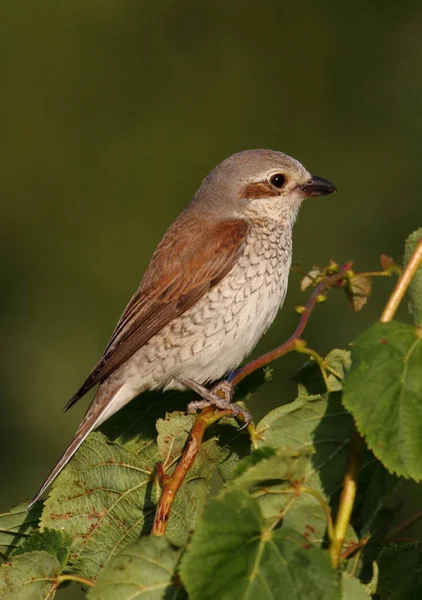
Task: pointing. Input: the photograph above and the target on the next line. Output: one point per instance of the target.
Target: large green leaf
(145, 569)
(384, 393)
(233, 555)
(400, 568)
(30, 576)
(106, 498)
(320, 428)
(103, 499)
(16, 525)
(317, 431)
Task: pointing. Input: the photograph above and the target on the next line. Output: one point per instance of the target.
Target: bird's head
(259, 184)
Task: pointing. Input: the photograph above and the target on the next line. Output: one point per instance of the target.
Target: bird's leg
(219, 396)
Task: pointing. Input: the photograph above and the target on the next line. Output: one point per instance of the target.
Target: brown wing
(191, 259)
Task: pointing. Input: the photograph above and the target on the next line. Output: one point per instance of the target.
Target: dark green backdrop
(111, 113)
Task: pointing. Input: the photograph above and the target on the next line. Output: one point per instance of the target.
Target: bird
(212, 288)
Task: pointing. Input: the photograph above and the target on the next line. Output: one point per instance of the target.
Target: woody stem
(170, 484)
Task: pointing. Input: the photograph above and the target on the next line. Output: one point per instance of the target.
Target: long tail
(107, 401)
(90, 422)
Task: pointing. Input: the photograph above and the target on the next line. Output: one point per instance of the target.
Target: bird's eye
(278, 180)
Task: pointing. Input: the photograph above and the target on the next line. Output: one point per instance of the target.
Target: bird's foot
(219, 396)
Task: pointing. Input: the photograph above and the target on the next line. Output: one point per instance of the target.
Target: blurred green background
(111, 114)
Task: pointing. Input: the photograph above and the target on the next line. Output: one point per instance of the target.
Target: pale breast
(216, 334)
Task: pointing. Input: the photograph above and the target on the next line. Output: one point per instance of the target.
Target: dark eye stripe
(259, 189)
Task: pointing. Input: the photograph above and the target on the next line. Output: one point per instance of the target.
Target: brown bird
(212, 289)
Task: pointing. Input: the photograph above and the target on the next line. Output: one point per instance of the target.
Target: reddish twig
(355, 547)
(170, 484)
(404, 525)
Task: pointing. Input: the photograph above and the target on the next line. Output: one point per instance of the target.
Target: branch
(170, 484)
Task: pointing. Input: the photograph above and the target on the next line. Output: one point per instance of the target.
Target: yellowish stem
(347, 499)
(402, 284)
(319, 360)
(81, 580)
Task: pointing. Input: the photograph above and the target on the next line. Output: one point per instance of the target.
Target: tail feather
(90, 422)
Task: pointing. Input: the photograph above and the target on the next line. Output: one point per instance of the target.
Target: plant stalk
(347, 499)
(171, 483)
(402, 284)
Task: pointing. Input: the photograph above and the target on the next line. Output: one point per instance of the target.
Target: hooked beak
(317, 186)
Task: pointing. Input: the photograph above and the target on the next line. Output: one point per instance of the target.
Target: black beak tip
(317, 186)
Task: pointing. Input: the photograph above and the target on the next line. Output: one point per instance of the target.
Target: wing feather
(183, 268)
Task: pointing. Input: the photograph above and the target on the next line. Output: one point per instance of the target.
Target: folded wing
(191, 259)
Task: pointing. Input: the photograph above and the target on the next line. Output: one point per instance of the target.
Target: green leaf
(400, 568)
(317, 430)
(56, 543)
(353, 589)
(145, 569)
(30, 576)
(106, 498)
(384, 393)
(16, 525)
(415, 288)
(233, 555)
